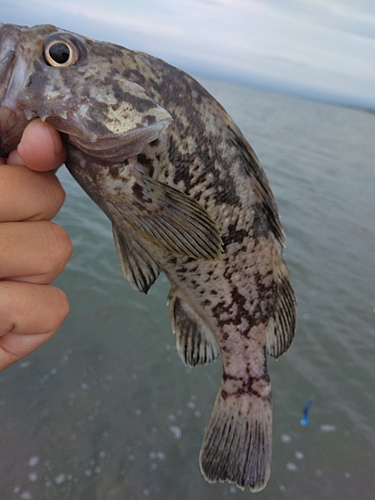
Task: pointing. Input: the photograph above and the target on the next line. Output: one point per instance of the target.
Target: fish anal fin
(237, 444)
(138, 267)
(282, 326)
(195, 342)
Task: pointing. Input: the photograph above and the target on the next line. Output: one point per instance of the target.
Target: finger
(28, 195)
(41, 147)
(33, 251)
(30, 315)
(14, 159)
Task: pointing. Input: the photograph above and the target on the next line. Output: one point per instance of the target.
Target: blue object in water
(306, 408)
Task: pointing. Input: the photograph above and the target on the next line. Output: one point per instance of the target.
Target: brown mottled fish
(187, 197)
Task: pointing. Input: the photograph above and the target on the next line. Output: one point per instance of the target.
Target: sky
(319, 49)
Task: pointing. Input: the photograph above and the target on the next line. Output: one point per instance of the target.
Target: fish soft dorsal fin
(281, 327)
(171, 219)
(196, 344)
(138, 267)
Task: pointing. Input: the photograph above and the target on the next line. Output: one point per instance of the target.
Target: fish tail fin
(238, 441)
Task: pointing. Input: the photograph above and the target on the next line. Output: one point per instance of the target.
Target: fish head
(76, 85)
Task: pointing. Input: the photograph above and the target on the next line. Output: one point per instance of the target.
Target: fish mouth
(11, 128)
(7, 116)
(9, 38)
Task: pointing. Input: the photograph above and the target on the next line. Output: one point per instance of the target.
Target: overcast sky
(314, 48)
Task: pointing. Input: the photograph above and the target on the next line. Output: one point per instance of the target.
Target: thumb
(41, 147)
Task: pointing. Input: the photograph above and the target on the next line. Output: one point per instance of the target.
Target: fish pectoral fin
(238, 441)
(174, 221)
(138, 267)
(196, 344)
(281, 328)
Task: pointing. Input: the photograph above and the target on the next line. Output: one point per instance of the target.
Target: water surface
(106, 410)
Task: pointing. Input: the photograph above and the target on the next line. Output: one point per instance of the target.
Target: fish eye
(60, 53)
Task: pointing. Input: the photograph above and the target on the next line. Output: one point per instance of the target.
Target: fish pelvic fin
(281, 328)
(237, 444)
(195, 342)
(138, 267)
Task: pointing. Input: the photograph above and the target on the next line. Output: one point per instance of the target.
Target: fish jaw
(10, 126)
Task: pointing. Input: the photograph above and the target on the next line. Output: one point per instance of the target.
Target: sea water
(106, 410)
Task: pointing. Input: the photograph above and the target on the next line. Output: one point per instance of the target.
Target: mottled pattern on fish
(186, 196)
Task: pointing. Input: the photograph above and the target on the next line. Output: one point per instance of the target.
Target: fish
(187, 197)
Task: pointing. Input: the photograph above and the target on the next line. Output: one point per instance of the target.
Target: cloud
(304, 44)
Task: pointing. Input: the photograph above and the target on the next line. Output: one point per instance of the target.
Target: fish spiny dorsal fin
(281, 328)
(196, 344)
(238, 441)
(255, 169)
(136, 264)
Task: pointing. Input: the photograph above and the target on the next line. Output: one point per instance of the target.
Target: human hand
(33, 250)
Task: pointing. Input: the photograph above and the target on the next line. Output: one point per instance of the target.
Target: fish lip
(5, 54)
(9, 37)
(16, 83)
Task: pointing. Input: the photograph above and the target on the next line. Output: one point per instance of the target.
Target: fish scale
(186, 196)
